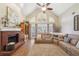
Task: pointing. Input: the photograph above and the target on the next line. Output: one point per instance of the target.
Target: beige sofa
(57, 38)
(70, 47)
(44, 38)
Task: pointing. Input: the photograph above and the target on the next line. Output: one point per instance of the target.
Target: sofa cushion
(74, 51)
(39, 37)
(65, 45)
(73, 41)
(70, 49)
(46, 36)
(66, 39)
(77, 45)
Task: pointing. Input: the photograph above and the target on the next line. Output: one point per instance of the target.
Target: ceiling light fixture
(21, 5)
(43, 8)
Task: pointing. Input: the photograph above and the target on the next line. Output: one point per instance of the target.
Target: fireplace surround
(10, 41)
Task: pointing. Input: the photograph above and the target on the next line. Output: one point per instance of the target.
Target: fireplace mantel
(10, 29)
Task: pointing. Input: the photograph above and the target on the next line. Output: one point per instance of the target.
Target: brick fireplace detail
(7, 37)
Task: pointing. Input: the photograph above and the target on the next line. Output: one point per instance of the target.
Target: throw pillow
(66, 39)
(77, 45)
(73, 41)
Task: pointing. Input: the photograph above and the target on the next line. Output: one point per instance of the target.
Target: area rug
(46, 50)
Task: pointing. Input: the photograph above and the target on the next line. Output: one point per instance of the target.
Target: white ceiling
(58, 8)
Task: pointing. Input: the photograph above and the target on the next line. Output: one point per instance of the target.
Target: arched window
(41, 23)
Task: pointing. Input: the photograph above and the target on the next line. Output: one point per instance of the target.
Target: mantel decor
(11, 18)
(76, 23)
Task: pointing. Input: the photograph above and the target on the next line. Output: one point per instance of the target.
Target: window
(42, 23)
(76, 22)
(50, 28)
(41, 28)
(33, 31)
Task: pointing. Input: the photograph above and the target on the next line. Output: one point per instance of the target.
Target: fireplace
(13, 38)
(10, 41)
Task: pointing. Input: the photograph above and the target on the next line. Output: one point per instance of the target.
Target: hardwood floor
(46, 50)
(23, 50)
(28, 46)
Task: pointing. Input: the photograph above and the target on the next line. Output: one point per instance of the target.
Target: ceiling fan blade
(49, 8)
(47, 4)
(38, 4)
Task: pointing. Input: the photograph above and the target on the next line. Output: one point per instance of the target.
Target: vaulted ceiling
(58, 8)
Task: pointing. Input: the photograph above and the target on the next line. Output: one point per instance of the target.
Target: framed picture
(76, 23)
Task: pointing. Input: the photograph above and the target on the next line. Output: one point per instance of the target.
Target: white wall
(67, 21)
(2, 12)
(2, 9)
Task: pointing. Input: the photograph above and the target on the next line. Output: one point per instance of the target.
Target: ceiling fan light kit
(44, 7)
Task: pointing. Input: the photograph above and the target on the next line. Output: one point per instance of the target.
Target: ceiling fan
(44, 7)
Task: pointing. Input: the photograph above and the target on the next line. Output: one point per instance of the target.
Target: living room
(34, 29)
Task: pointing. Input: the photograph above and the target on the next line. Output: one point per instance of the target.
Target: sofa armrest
(74, 50)
(70, 49)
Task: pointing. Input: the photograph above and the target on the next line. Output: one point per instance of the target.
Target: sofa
(57, 38)
(68, 42)
(71, 46)
(44, 38)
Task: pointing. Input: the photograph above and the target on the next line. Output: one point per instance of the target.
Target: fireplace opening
(13, 38)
